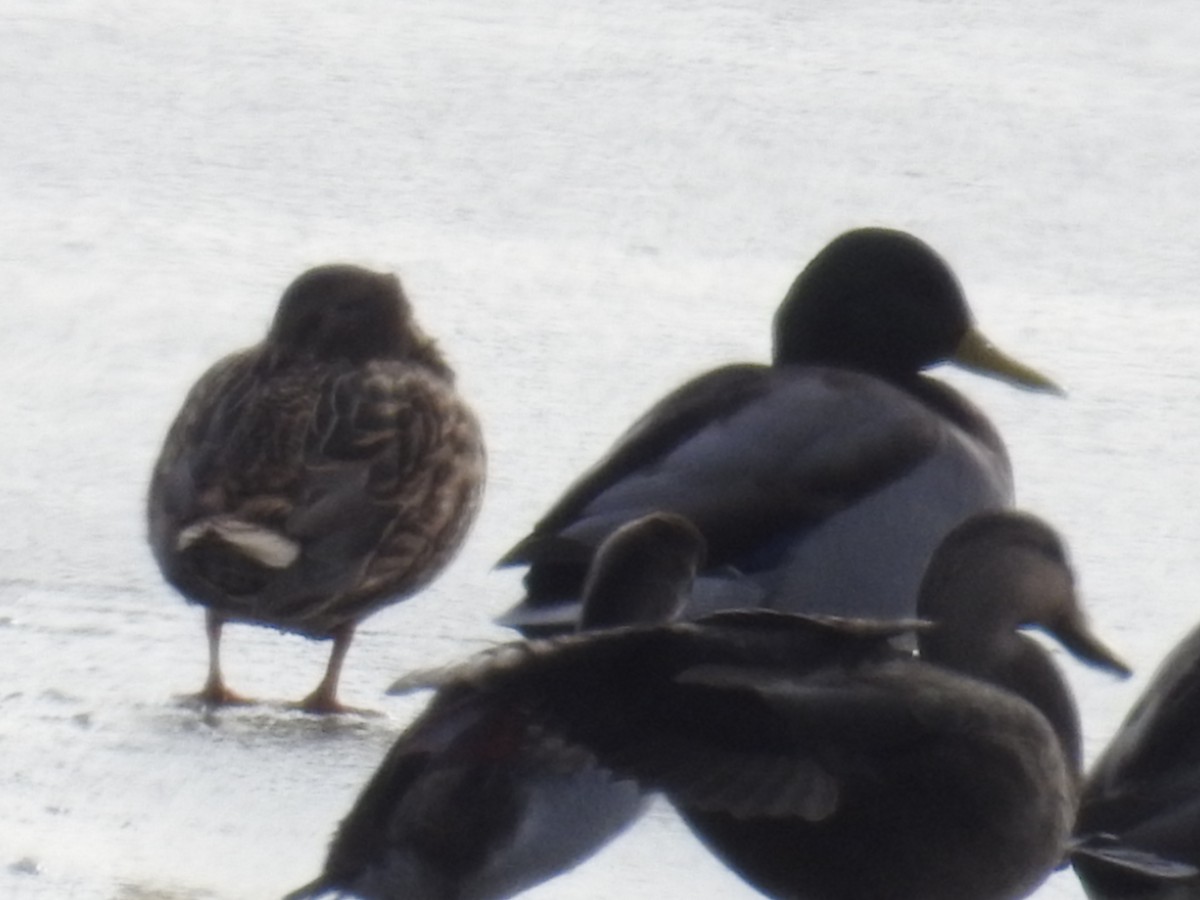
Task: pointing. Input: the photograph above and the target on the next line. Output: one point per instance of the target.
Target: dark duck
(475, 801)
(319, 476)
(1138, 832)
(822, 762)
(821, 482)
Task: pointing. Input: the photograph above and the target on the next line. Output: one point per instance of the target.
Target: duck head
(643, 572)
(993, 575)
(344, 312)
(882, 301)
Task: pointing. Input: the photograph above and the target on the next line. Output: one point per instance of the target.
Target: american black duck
(474, 800)
(319, 476)
(1138, 833)
(821, 482)
(820, 761)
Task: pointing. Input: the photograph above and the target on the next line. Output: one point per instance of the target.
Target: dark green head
(874, 299)
(882, 301)
(344, 312)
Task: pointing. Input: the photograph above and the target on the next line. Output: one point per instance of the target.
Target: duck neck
(1001, 656)
(945, 400)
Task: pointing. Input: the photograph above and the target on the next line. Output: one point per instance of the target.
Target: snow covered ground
(588, 203)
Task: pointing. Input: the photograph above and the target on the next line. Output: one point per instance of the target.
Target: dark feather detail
(352, 454)
(1138, 830)
(817, 758)
(791, 471)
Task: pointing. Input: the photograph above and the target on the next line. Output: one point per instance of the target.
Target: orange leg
(324, 698)
(214, 692)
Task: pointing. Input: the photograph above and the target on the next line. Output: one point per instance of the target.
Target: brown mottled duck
(317, 477)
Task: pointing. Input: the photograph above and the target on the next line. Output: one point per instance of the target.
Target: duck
(474, 800)
(820, 758)
(319, 476)
(821, 482)
(1137, 836)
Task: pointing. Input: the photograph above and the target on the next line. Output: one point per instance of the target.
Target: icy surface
(588, 202)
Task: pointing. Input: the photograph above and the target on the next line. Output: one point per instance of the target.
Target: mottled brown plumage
(319, 476)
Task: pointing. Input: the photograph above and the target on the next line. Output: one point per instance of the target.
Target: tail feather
(264, 546)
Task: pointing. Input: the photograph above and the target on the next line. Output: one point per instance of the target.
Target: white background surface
(588, 203)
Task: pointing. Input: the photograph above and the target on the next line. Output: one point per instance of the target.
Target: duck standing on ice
(319, 476)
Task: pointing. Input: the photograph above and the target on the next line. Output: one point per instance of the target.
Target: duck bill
(1079, 640)
(977, 354)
